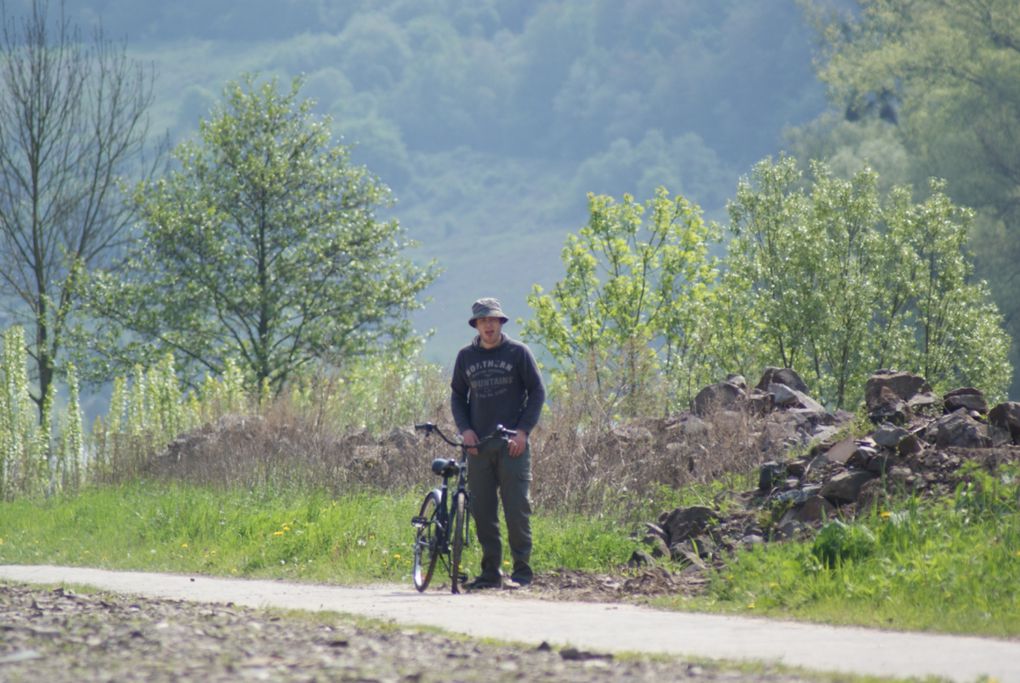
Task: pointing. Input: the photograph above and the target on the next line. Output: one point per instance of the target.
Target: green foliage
(36, 457)
(262, 249)
(837, 542)
(22, 444)
(844, 283)
(632, 304)
(267, 533)
(377, 395)
(150, 408)
(948, 565)
(942, 81)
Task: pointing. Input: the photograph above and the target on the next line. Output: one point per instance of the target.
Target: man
(496, 382)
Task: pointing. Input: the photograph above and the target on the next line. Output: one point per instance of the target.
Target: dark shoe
(522, 573)
(521, 581)
(482, 582)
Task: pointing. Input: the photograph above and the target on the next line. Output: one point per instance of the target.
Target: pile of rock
(917, 445)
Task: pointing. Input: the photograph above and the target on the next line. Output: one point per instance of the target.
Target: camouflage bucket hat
(486, 307)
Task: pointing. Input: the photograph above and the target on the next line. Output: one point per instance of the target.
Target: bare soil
(59, 634)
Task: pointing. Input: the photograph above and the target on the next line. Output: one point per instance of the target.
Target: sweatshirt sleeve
(459, 388)
(535, 387)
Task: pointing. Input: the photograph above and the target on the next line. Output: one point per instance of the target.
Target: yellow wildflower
(277, 533)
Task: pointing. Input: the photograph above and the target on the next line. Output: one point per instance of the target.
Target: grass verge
(360, 538)
(951, 565)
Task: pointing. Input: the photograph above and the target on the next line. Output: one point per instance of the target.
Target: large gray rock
(785, 376)
(716, 397)
(905, 385)
(958, 429)
(845, 487)
(1005, 417)
(813, 510)
(965, 397)
(684, 523)
(887, 406)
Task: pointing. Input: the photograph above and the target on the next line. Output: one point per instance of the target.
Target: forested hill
(492, 119)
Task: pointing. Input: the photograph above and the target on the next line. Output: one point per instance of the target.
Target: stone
(909, 445)
(925, 403)
(737, 381)
(760, 402)
(785, 376)
(846, 486)
(965, 397)
(1005, 417)
(904, 385)
(887, 406)
(719, 396)
(684, 523)
(841, 452)
(639, 558)
(889, 435)
(862, 456)
(958, 429)
(769, 474)
(878, 463)
(787, 397)
(657, 546)
(813, 510)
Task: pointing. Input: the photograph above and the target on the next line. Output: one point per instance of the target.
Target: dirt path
(596, 627)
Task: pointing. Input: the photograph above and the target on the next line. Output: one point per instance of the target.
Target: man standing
(496, 382)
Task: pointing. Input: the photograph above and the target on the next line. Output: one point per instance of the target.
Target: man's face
(490, 330)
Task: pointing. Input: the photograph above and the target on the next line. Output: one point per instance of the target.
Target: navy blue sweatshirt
(499, 386)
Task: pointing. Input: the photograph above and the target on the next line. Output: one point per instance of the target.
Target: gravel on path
(62, 635)
(518, 616)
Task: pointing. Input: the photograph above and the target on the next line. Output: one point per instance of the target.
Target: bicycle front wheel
(426, 550)
(459, 540)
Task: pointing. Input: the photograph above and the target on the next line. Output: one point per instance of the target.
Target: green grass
(950, 565)
(355, 539)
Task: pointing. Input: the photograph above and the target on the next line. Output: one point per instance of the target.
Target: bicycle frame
(443, 523)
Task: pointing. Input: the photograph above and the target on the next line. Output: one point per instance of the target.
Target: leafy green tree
(958, 332)
(262, 248)
(844, 284)
(944, 76)
(73, 122)
(632, 302)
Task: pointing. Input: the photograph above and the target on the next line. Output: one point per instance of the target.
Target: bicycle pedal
(419, 521)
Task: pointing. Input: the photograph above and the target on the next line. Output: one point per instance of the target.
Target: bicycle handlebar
(500, 432)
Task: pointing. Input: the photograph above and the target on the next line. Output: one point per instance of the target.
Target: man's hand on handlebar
(517, 443)
(470, 439)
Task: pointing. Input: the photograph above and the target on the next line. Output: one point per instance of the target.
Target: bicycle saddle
(444, 467)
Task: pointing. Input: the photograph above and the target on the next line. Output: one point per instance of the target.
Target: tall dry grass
(585, 459)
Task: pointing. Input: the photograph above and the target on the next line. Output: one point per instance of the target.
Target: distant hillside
(491, 120)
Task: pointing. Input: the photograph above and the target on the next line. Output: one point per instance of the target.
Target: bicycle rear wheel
(459, 539)
(426, 550)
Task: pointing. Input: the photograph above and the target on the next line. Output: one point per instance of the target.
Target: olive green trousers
(494, 477)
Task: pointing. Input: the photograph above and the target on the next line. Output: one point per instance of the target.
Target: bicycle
(441, 525)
